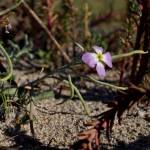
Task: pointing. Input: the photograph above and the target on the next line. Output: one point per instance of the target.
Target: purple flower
(98, 60)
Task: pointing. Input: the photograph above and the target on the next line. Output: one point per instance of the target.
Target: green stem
(4, 99)
(82, 100)
(121, 56)
(79, 95)
(71, 86)
(107, 84)
(10, 67)
(6, 11)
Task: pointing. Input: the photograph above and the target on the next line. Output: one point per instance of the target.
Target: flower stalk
(125, 55)
(107, 84)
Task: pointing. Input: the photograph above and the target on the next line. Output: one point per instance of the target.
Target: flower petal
(98, 49)
(100, 70)
(107, 59)
(89, 59)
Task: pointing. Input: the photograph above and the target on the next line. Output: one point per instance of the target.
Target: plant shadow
(142, 143)
(100, 94)
(24, 142)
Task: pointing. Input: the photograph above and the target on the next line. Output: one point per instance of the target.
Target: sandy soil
(59, 120)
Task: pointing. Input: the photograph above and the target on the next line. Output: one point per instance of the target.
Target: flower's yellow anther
(100, 57)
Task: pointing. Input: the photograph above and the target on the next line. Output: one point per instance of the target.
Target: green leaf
(43, 95)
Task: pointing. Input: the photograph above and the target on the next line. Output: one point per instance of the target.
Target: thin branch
(6, 11)
(43, 26)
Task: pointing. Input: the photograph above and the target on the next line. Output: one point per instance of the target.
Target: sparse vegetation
(59, 59)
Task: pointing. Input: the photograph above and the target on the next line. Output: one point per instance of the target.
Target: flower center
(100, 57)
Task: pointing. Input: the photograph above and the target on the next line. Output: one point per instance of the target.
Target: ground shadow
(24, 142)
(101, 94)
(142, 143)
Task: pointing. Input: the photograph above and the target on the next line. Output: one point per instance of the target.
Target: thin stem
(82, 100)
(144, 59)
(121, 56)
(79, 95)
(6, 11)
(53, 72)
(10, 67)
(140, 32)
(107, 84)
(71, 86)
(43, 26)
(114, 58)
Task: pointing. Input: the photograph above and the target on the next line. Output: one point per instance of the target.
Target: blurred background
(107, 23)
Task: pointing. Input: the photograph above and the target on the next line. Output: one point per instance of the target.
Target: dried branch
(43, 26)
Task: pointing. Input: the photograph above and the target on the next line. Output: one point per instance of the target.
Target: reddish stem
(144, 28)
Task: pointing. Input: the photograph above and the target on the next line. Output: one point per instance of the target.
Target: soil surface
(58, 121)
